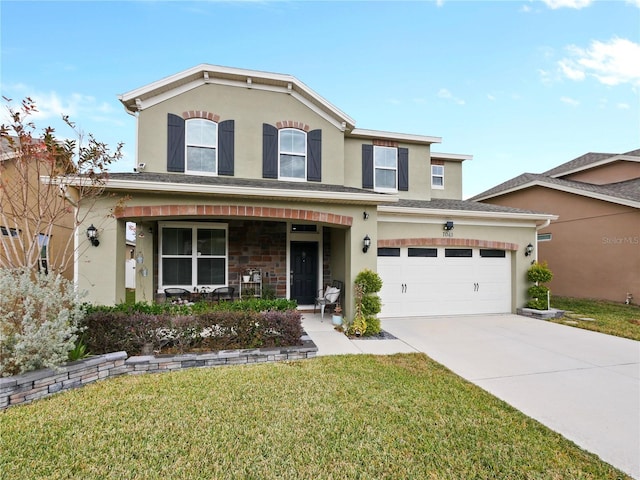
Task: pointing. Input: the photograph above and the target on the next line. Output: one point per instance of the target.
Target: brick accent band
(385, 143)
(201, 114)
(292, 124)
(446, 242)
(159, 211)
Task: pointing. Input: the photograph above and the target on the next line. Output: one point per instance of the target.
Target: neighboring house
(593, 248)
(242, 170)
(17, 233)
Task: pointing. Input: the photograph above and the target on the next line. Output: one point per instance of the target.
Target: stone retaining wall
(21, 389)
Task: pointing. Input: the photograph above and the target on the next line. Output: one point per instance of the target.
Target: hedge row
(112, 330)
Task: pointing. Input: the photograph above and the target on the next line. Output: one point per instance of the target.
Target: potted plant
(336, 317)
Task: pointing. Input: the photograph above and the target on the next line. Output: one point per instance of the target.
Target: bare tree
(43, 179)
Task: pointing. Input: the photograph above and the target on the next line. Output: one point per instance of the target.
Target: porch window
(293, 154)
(193, 255)
(202, 146)
(385, 161)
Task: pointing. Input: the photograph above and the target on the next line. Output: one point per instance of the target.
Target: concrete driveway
(584, 385)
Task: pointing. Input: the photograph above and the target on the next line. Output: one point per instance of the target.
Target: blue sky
(521, 85)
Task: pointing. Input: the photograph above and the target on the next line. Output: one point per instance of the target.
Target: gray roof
(234, 181)
(626, 190)
(460, 205)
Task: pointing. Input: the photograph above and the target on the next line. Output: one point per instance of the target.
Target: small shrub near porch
(166, 328)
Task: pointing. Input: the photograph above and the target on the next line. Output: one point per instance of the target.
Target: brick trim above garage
(158, 211)
(446, 242)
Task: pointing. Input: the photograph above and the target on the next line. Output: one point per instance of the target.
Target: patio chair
(172, 294)
(222, 293)
(329, 296)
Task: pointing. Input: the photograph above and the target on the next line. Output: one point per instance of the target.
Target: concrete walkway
(582, 384)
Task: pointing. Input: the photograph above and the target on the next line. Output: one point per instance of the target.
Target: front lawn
(361, 416)
(599, 315)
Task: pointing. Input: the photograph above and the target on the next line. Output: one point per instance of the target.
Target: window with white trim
(202, 146)
(544, 237)
(193, 255)
(293, 154)
(43, 262)
(9, 232)
(385, 169)
(437, 176)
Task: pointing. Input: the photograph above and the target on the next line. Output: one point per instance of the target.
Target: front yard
(368, 417)
(601, 316)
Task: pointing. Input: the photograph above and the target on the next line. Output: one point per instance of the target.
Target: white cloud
(525, 9)
(623, 106)
(447, 95)
(570, 101)
(611, 63)
(634, 2)
(491, 97)
(577, 4)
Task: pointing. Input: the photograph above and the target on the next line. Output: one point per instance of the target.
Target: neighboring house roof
(623, 193)
(232, 186)
(590, 160)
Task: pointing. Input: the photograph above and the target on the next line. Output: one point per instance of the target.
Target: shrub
(368, 303)
(539, 294)
(114, 330)
(39, 316)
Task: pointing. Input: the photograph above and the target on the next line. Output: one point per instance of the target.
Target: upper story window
(385, 164)
(293, 154)
(202, 146)
(437, 176)
(385, 168)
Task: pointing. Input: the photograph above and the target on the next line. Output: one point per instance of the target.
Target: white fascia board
(451, 156)
(388, 213)
(407, 137)
(567, 189)
(235, 191)
(329, 110)
(604, 161)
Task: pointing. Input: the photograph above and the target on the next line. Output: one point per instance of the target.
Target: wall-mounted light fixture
(92, 235)
(448, 225)
(365, 215)
(528, 250)
(366, 243)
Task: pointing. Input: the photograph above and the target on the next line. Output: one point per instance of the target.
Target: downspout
(544, 225)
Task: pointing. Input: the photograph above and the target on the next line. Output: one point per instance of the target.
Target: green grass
(611, 318)
(345, 417)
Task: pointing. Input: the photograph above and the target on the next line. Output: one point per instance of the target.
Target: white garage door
(444, 281)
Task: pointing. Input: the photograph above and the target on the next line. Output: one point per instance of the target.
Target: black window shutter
(175, 143)
(226, 147)
(367, 166)
(403, 169)
(314, 156)
(269, 151)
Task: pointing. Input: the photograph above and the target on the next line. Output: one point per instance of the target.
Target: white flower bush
(39, 318)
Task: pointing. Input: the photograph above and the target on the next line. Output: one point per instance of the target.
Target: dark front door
(304, 272)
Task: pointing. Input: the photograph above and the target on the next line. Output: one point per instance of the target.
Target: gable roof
(623, 193)
(153, 93)
(590, 160)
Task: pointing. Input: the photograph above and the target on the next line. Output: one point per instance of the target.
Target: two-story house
(593, 248)
(243, 170)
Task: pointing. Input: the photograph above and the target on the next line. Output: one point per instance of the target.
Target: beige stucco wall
(249, 108)
(519, 233)
(595, 246)
(452, 182)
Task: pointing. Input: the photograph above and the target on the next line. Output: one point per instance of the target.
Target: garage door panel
(442, 285)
